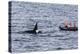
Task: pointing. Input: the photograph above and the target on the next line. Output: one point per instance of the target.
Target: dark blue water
(49, 17)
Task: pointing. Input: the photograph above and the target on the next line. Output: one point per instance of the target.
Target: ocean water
(24, 16)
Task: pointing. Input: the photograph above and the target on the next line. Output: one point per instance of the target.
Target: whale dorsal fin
(36, 27)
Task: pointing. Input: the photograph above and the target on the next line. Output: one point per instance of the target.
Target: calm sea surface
(49, 17)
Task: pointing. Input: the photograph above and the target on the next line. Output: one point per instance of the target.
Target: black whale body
(32, 31)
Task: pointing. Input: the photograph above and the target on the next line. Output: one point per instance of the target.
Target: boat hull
(68, 28)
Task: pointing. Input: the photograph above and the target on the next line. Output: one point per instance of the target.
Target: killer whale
(33, 31)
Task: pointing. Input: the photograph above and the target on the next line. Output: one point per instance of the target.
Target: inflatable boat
(68, 28)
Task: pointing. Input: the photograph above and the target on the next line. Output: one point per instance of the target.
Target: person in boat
(66, 24)
(74, 24)
(70, 24)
